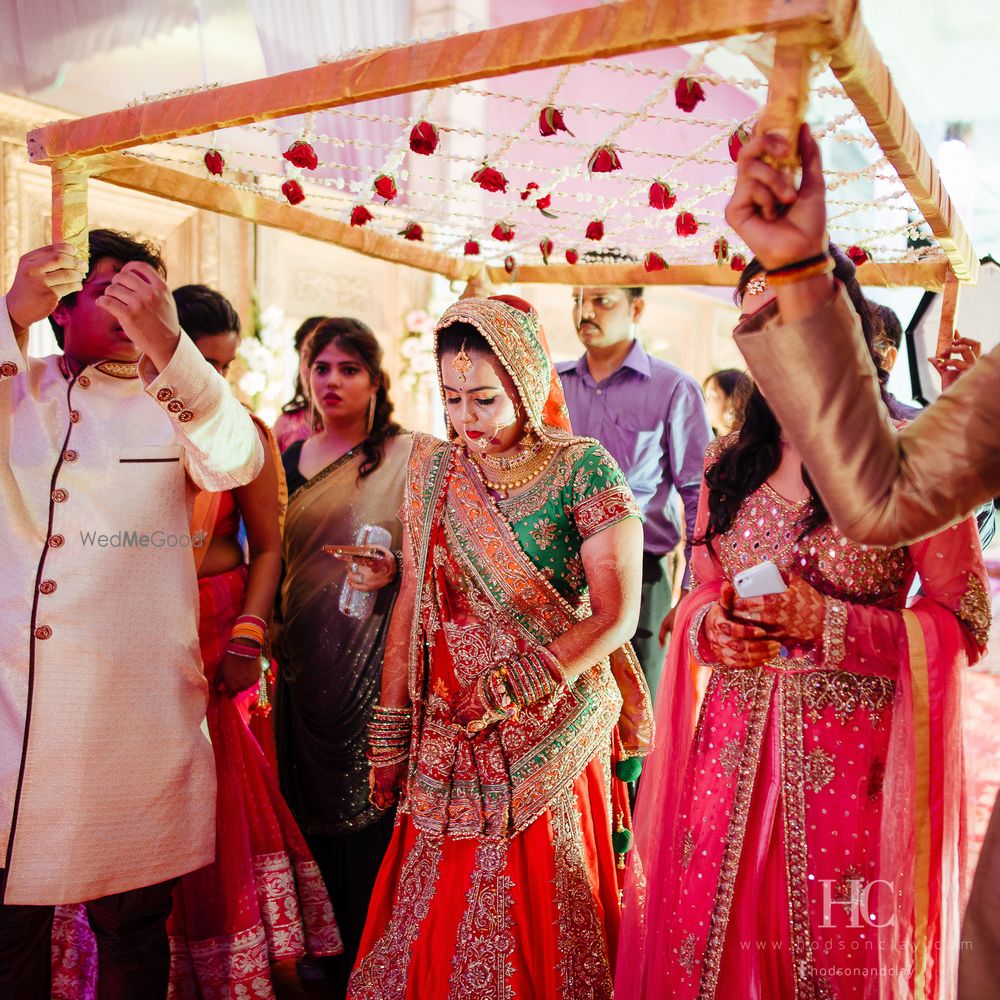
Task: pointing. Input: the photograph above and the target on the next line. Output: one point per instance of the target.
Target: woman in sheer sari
(502, 694)
(803, 830)
(348, 474)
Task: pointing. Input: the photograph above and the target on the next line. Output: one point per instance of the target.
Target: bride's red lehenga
(501, 877)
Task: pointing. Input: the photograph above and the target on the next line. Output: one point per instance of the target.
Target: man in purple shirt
(651, 417)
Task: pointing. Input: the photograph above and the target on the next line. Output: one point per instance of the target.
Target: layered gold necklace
(504, 473)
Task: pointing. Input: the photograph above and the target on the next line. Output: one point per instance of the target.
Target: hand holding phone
(759, 581)
(355, 553)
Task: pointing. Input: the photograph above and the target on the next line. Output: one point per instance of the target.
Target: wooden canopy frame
(91, 147)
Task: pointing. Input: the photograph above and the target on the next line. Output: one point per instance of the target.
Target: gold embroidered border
(976, 610)
(763, 684)
(584, 966)
(793, 778)
(481, 967)
(383, 973)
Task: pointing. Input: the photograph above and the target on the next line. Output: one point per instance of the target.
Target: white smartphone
(760, 580)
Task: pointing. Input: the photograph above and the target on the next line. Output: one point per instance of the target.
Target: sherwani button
(56, 541)
(164, 394)
(74, 416)
(60, 495)
(175, 406)
(70, 456)
(47, 587)
(43, 632)
(185, 416)
(83, 381)
(8, 369)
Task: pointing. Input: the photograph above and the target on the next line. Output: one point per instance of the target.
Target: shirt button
(56, 541)
(600, 392)
(43, 632)
(83, 381)
(74, 416)
(60, 495)
(47, 587)
(70, 456)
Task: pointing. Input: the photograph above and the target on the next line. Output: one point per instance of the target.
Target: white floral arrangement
(267, 365)
(417, 375)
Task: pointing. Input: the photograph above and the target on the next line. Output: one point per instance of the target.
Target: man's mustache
(588, 322)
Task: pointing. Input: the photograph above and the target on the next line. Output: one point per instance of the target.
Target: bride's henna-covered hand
(385, 782)
(797, 615)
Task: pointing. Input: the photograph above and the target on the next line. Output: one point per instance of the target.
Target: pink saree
(802, 831)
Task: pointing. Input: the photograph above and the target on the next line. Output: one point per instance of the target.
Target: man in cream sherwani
(107, 782)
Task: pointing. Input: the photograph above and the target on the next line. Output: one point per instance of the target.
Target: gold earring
(371, 414)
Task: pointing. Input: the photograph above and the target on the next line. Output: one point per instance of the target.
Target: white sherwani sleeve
(222, 449)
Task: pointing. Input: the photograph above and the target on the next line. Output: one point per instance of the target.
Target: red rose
(654, 262)
(661, 195)
(412, 232)
(858, 255)
(721, 250)
(551, 121)
(503, 232)
(471, 248)
(301, 154)
(424, 138)
(489, 179)
(542, 205)
(509, 264)
(360, 216)
(526, 193)
(292, 190)
(687, 224)
(603, 160)
(688, 93)
(214, 162)
(545, 246)
(595, 231)
(385, 187)
(572, 256)
(738, 262)
(737, 141)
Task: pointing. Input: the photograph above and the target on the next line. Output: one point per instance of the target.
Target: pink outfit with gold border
(765, 818)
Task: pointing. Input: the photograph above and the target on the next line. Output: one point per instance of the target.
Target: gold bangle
(825, 266)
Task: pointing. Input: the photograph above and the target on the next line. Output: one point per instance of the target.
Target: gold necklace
(529, 447)
(503, 481)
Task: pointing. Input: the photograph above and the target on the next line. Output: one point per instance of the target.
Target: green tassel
(629, 768)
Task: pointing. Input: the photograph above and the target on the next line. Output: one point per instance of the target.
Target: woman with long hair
(502, 692)
(803, 827)
(297, 419)
(720, 389)
(344, 481)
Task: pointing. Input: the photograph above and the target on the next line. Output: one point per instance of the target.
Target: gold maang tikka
(462, 364)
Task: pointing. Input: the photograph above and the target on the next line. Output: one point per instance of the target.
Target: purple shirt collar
(636, 359)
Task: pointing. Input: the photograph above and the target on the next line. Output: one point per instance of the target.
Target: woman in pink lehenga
(262, 900)
(802, 831)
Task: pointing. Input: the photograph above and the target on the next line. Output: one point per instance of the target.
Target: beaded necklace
(503, 481)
